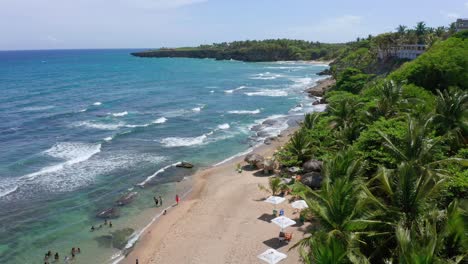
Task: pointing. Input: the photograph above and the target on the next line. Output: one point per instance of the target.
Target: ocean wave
(297, 108)
(183, 141)
(199, 108)
(8, 190)
(224, 126)
(268, 92)
(245, 112)
(83, 110)
(143, 183)
(234, 156)
(108, 138)
(237, 89)
(285, 67)
(120, 114)
(160, 120)
(101, 126)
(97, 103)
(38, 108)
(266, 76)
(71, 152)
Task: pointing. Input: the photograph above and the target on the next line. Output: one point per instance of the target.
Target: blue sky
(56, 24)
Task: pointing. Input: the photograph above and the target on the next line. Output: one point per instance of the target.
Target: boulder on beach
(109, 213)
(185, 165)
(126, 198)
(319, 101)
(312, 165)
(270, 122)
(312, 179)
(254, 160)
(268, 166)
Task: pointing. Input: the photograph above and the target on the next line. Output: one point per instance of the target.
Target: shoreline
(163, 227)
(152, 245)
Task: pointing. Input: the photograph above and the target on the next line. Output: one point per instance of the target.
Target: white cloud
(450, 15)
(161, 4)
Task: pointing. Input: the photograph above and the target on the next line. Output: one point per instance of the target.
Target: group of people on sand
(159, 201)
(100, 226)
(48, 256)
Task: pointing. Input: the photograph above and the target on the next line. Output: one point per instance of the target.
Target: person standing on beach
(177, 199)
(156, 201)
(160, 201)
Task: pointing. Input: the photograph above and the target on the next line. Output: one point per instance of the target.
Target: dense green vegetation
(394, 146)
(253, 50)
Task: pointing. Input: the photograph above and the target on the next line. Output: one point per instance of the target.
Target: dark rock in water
(312, 165)
(126, 199)
(184, 164)
(254, 160)
(256, 128)
(317, 102)
(325, 72)
(120, 237)
(263, 134)
(117, 239)
(312, 179)
(267, 141)
(104, 241)
(315, 92)
(109, 213)
(270, 122)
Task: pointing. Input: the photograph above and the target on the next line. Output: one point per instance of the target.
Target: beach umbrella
(283, 221)
(299, 204)
(272, 256)
(275, 200)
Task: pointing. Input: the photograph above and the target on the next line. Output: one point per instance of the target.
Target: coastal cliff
(252, 51)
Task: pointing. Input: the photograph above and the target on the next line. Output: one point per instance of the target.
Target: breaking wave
(268, 92)
(245, 112)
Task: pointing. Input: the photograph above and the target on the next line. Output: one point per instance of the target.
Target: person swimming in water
(92, 228)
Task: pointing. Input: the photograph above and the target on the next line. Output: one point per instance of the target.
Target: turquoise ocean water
(81, 128)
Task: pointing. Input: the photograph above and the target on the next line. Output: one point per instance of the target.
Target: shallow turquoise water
(78, 129)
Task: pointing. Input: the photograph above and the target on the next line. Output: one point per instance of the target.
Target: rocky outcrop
(321, 87)
(312, 165)
(109, 213)
(185, 165)
(126, 199)
(268, 166)
(312, 179)
(254, 160)
(319, 101)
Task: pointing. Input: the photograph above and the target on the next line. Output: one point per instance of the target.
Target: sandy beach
(223, 220)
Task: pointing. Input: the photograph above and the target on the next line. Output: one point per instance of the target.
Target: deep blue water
(78, 128)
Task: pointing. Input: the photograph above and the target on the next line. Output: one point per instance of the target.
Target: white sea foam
(160, 120)
(7, 190)
(234, 156)
(268, 92)
(71, 152)
(101, 126)
(266, 76)
(97, 103)
(83, 110)
(120, 114)
(38, 108)
(142, 184)
(233, 90)
(245, 112)
(224, 126)
(183, 141)
(108, 138)
(285, 67)
(211, 91)
(199, 108)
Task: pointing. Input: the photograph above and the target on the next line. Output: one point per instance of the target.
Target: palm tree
(300, 146)
(420, 28)
(391, 93)
(345, 112)
(342, 208)
(452, 114)
(311, 119)
(401, 29)
(275, 186)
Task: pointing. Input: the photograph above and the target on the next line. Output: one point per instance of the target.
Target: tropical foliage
(395, 155)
